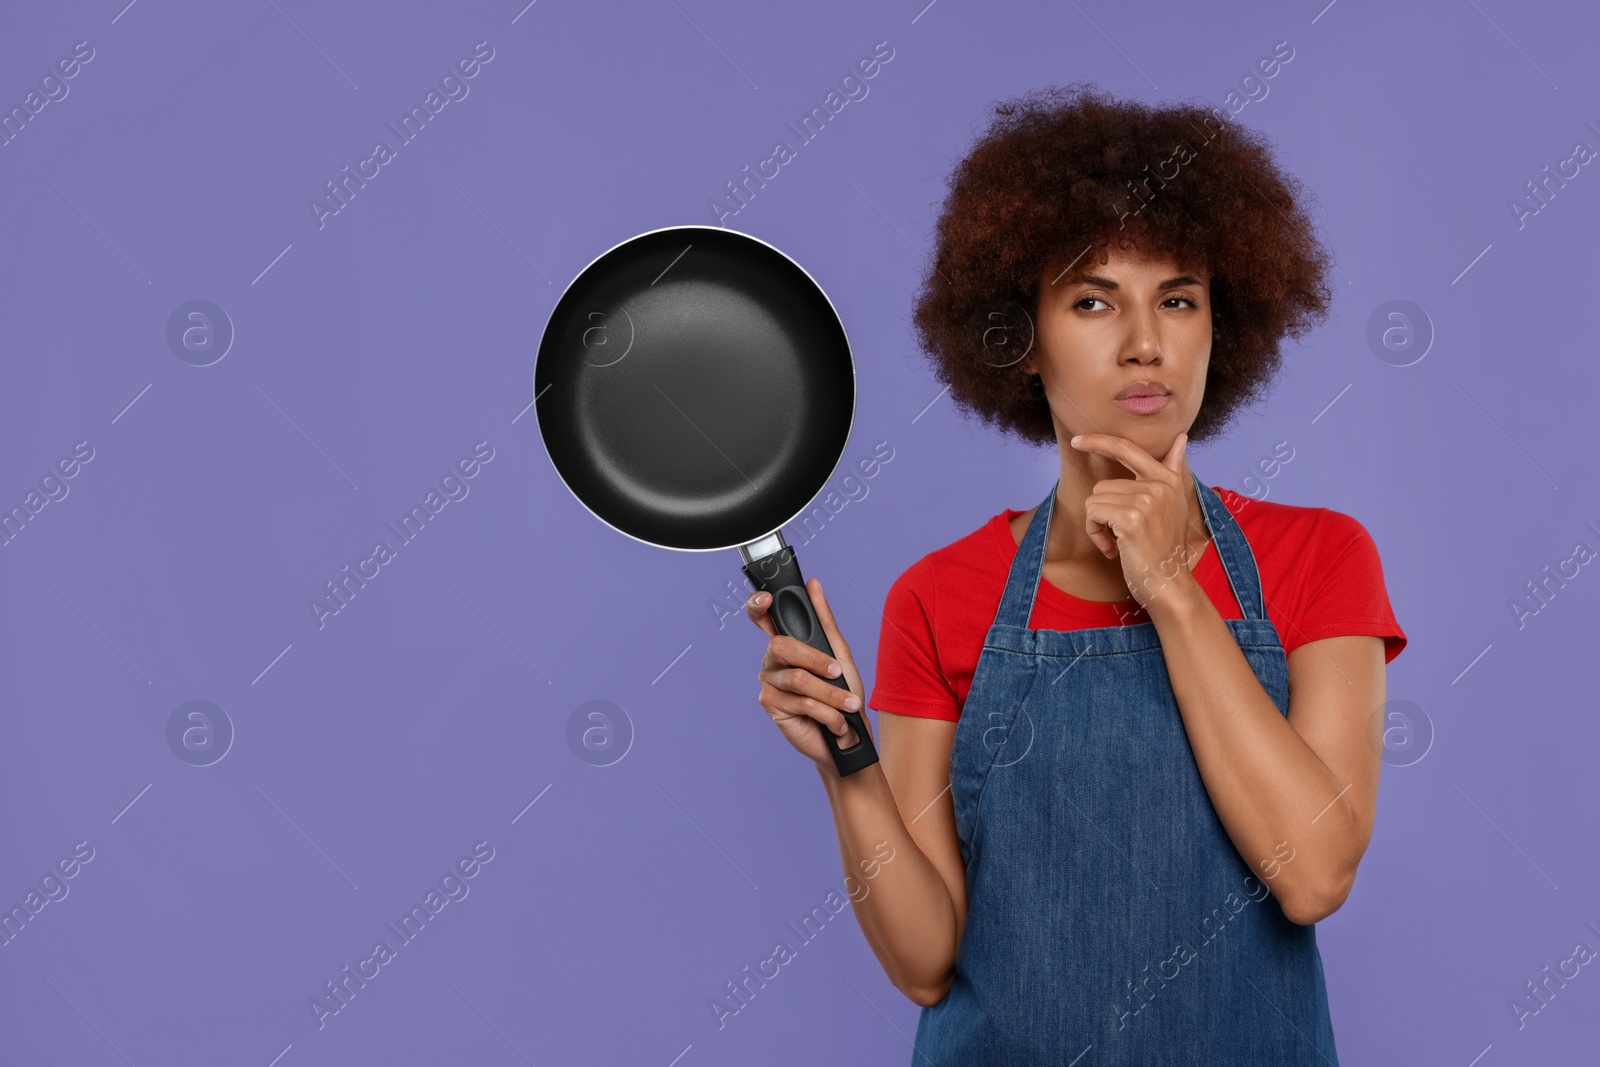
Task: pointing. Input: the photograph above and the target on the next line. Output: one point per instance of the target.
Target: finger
(801, 682)
(1116, 517)
(792, 652)
(831, 718)
(756, 608)
(1121, 488)
(1103, 537)
(1177, 457)
(830, 628)
(1119, 516)
(1124, 451)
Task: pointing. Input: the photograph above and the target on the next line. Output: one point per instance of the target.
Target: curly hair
(1063, 169)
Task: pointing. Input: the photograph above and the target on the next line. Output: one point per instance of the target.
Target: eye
(1099, 300)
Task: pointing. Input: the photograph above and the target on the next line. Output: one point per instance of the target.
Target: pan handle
(778, 573)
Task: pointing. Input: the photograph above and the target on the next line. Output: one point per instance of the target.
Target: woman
(1119, 797)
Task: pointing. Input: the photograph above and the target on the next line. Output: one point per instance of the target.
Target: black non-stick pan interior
(694, 388)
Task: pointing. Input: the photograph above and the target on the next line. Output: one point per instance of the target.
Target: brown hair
(1061, 170)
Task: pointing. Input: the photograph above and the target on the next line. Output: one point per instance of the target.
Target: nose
(1143, 345)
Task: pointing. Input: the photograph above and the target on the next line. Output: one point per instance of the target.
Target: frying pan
(695, 390)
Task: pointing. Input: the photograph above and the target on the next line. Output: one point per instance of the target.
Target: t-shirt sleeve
(908, 679)
(1344, 593)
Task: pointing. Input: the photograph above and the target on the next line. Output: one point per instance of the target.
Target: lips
(1143, 398)
(1142, 388)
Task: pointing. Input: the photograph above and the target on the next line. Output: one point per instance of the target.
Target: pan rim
(849, 354)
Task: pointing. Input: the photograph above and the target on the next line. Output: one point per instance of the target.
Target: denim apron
(1111, 919)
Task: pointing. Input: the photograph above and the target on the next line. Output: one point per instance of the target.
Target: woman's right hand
(794, 691)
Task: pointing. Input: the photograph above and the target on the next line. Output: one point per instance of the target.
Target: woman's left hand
(1144, 520)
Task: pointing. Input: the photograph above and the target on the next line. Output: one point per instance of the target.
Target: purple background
(374, 352)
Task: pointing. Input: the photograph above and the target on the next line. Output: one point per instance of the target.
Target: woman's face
(1104, 327)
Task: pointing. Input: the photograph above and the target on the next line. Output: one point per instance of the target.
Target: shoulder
(1296, 528)
(958, 567)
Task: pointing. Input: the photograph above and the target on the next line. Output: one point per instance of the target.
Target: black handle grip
(793, 615)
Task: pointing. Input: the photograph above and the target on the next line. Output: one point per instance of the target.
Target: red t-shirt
(1319, 568)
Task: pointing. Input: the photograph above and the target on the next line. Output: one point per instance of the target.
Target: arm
(1297, 794)
(916, 908)
(913, 902)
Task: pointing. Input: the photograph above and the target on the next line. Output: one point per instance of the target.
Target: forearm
(1275, 796)
(905, 910)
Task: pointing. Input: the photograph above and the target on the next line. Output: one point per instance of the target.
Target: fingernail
(833, 670)
(852, 702)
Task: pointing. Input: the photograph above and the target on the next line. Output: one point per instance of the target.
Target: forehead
(1125, 266)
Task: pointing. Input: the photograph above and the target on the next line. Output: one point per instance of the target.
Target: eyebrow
(1107, 283)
